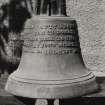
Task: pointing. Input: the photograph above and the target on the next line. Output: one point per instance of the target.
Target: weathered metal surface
(56, 69)
(51, 65)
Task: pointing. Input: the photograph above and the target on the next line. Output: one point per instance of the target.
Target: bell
(51, 65)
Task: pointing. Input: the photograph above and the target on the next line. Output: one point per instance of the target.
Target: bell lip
(81, 78)
(69, 90)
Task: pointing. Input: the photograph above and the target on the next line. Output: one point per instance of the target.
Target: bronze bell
(51, 65)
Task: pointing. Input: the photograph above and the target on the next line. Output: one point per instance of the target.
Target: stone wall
(90, 16)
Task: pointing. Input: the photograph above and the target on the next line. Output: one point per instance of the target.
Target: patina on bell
(51, 65)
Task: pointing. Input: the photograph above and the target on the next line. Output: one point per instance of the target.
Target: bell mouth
(60, 91)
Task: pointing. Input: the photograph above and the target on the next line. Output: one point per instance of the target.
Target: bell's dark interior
(13, 15)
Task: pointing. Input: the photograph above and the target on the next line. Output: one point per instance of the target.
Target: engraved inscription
(51, 38)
